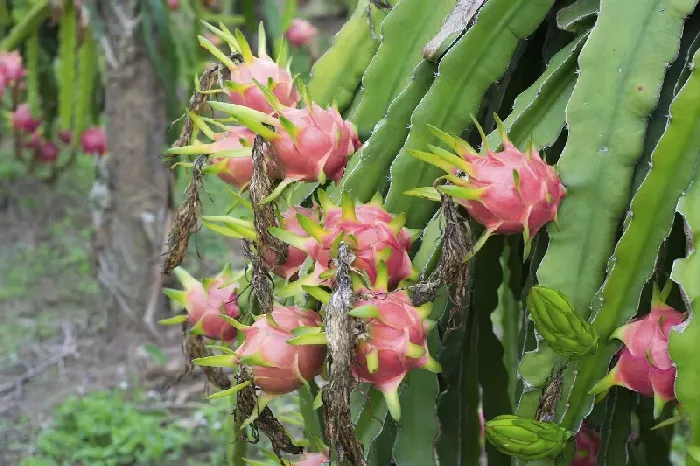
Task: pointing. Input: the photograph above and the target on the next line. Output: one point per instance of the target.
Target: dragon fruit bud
(242, 88)
(300, 32)
(11, 66)
(508, 191)
(278, 366)
(644, 364)
(295, 256)
(206, 301)
(310, 144)
(48, 152)
(395, 342)
(94, 141)
(314, 459)
(587, 446)
(22, 119)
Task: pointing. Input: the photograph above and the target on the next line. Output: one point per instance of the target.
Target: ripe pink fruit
(508, 191)
(587, 446)
(237, 171)
(22, 119)
(377, 238)
(310, 144)
(295, 256)
(508, 203)
(645, 365)
(11, 66)
(48, 152)
(65, 136)
(280, 367)
(94, 141)
(314, 459)
(300, 32)
(395, 342)
(243, 91)
(205, 302)
(319, 146)
(174, 5)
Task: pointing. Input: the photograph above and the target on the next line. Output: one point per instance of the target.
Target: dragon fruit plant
(436, 159)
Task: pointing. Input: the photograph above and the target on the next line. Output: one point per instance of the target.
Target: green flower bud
(526, 438)
(560, 326)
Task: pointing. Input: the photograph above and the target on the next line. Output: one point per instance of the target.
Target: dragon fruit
(374, 234)
(645, 365)
(394, 342)
(94, 141)
(48, 152)
(300, 32)
(65, 136)
(508, 191)
(242, 88)
(587, 446)
(237, 171)
(207, 301)
(278, 366)
(295, 256)
(11, 66)
(23, 121)
(314, 459)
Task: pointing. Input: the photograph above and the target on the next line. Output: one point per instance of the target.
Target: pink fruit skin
(48, 152)
(239, 170)
(587, 446)
(300, 32)
(373, 237)
(22, 119)
(399, 324)
(207, 305)
(323, 143)
(314, 459)
(11, 66)
(505, 208)
(287, 362)
(174, 5)
(94, 141)
(262, 69)
(65, 136)
(295, 257)
(645, 365)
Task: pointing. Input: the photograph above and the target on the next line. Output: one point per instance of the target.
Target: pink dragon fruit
(278, 366)
(587, 446)
(22, 119)
(242, 88)
(644, 364)
(300, 32)
(310, 144)
(206, 302)
(174, 5)
(48, 152)
(11, 66)
(65, 136)
(237, 171)
(508, 191)
(395, 342)
(295, 256)
(94, 141)
(373, 233)
(314, 459)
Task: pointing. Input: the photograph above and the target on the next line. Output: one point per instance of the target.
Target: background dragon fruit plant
(469, 208)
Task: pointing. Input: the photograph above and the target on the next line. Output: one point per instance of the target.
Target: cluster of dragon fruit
(28, 126)
(506, 191)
